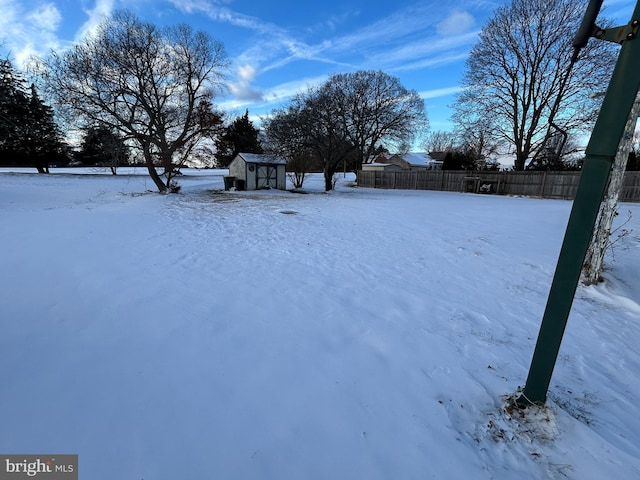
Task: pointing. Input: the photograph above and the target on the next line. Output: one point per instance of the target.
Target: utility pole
(600, 155)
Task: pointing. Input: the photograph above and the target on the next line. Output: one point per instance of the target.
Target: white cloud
(388, 43)
(101, 9)
(275, 96)
(408, 39)
(191, 6)
(222, 14)
(246, 73)
(46, 17)
(242, 89)
(430, 61)
(11, 11)
(440, 92)
(425, 53)
(276, 47)
(458, 22)
(336, 20)
(405, 40)
(26, 32)
(286, 90)
(23, 54)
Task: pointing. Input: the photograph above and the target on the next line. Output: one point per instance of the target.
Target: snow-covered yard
(360, 334)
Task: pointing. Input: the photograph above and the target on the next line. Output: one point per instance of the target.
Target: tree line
(138, 92)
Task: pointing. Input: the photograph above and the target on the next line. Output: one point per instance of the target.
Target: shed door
(266, 176)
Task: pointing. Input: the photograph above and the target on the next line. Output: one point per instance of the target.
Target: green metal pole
(600, 155)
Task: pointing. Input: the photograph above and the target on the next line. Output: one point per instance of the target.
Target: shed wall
(281, 179)
(237, 168)
(250, 174)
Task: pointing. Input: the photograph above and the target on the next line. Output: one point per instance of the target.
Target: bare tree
(375, 110)
(559, 153)
(477, 137)
(153, 85)
(297, 168)
(524, 75)
(439, 141)
(285, 137)
(346, 120)
(308, 128)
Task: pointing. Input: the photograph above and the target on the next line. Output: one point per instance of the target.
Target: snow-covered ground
(360, 334)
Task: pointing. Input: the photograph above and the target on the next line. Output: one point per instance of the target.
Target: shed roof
(262, 158)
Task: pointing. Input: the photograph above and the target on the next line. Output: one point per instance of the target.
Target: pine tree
(14, 106)
(102, 146)
(42, 138)
(29, 135)
(239, 137)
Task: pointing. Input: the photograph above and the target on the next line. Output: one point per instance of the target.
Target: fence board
(530, 184)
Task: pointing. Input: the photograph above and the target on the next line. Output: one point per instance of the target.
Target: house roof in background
(419, 159)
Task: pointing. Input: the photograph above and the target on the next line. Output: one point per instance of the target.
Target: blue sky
(278, 48)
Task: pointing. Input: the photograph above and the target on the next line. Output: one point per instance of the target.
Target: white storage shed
(259, 171)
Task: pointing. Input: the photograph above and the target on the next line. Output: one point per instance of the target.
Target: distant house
(437, 158)
(380, 167)
(410, 161)
(258, 171)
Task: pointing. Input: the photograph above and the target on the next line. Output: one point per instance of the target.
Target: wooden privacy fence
(531, 184)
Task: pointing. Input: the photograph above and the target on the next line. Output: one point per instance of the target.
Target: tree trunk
(594, 259)
(519, 163)
(153, 173)
(328, 180)
(162, 188)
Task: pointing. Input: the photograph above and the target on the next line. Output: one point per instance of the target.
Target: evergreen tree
(28, 133)
(101, 146)
(239, 137)
(459, 159)
(42, 138)
(14, 106)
